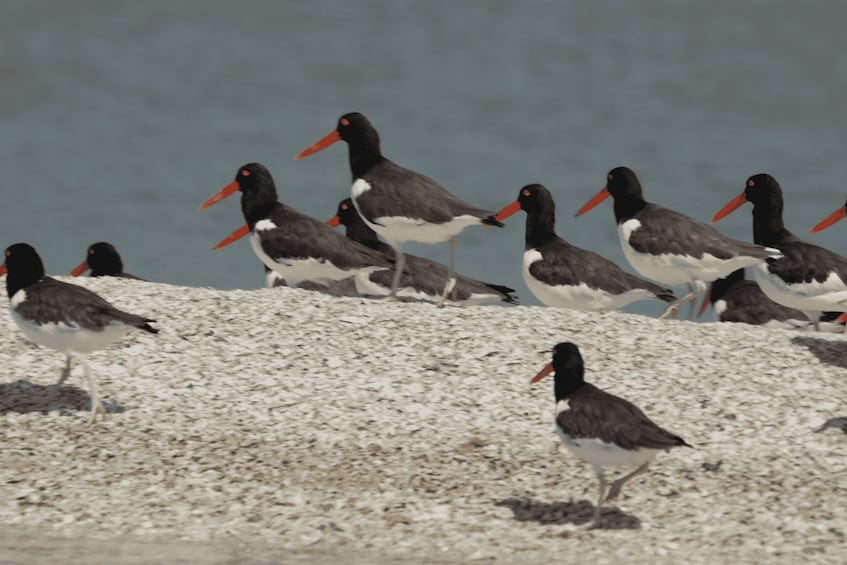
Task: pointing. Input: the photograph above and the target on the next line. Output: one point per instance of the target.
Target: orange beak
(595, 200)
(234, 236)
(842, 319)
(322, 143)
(508, 211)
(839, 214)
(2, 269)
(334, 222)
(228, 190)
(705, 300)
(731, 206)
(548, 368)
(79, 269)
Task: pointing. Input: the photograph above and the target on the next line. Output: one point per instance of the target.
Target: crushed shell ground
(281, 424)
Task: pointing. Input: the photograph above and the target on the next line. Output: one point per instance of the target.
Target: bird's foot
(97, 409)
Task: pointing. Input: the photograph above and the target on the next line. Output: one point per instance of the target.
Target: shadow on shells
(23, 397)
(829, 352)
(559, 513)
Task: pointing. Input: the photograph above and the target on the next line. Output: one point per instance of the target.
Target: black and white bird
(297, 247)
(737, 299)
(807, 277)
(399, 204)
(63, 316)
(562, 275)
(600, 428)
(104, 261)
(669, 247)
(836, 216)
(422, 279)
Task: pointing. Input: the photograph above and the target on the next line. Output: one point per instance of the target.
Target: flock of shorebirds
(793, 278)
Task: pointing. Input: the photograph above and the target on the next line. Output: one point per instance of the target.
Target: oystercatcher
(399, 204)
(298, 247)
(104, 261)
(836, 216)
(808, 277)
(736, 299)
(669, 247)
(423, 279)
(600, 428)
(563, 275)
(63, 316)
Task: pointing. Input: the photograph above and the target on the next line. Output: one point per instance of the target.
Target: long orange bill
(842, 319)
(2, 269)
(508, 211)
(228, 190)
(731, 206)
(322, 143)
(334, 222)
(839, 214)
(79, 269)
(548, 368)
(595, 200)
(705, 300)
(234, 236)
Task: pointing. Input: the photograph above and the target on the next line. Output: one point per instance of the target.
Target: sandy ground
(281, 425)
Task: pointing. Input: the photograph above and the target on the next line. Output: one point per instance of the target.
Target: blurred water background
(120, 117)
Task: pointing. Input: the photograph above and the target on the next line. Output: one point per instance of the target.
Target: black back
(801, 261)
(568, 265)
(51, 301)
(599, 415)
(666, 231)
(297, 236)
(422, 274)
(397, 191)
(746, 303)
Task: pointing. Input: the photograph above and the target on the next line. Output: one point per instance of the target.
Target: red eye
(750, 182)
(245, 173)
(345, 122)
(91, 252)
(525, 192)
(344, 206)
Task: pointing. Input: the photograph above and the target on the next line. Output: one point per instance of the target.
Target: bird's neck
(540, 228)
(627, 205)
(768, 227)
(363, 157)
(257, 206)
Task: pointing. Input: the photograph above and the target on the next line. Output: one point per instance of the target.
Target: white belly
(576, 297)
(295, 271)
(67, 339)
(598, 452)
(398, 229)
(672, 269)
(813, 296)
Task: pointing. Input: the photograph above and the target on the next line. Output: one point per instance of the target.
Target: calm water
(119, 118)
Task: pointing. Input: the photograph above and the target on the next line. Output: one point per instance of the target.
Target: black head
(347, 214)
(103, 259)
(355, 128)
(764, 192)
(252, 177)
(569, 370)
(622, 181)
(567, 359)
(719, 287)
(535, 198)
(23, 267)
